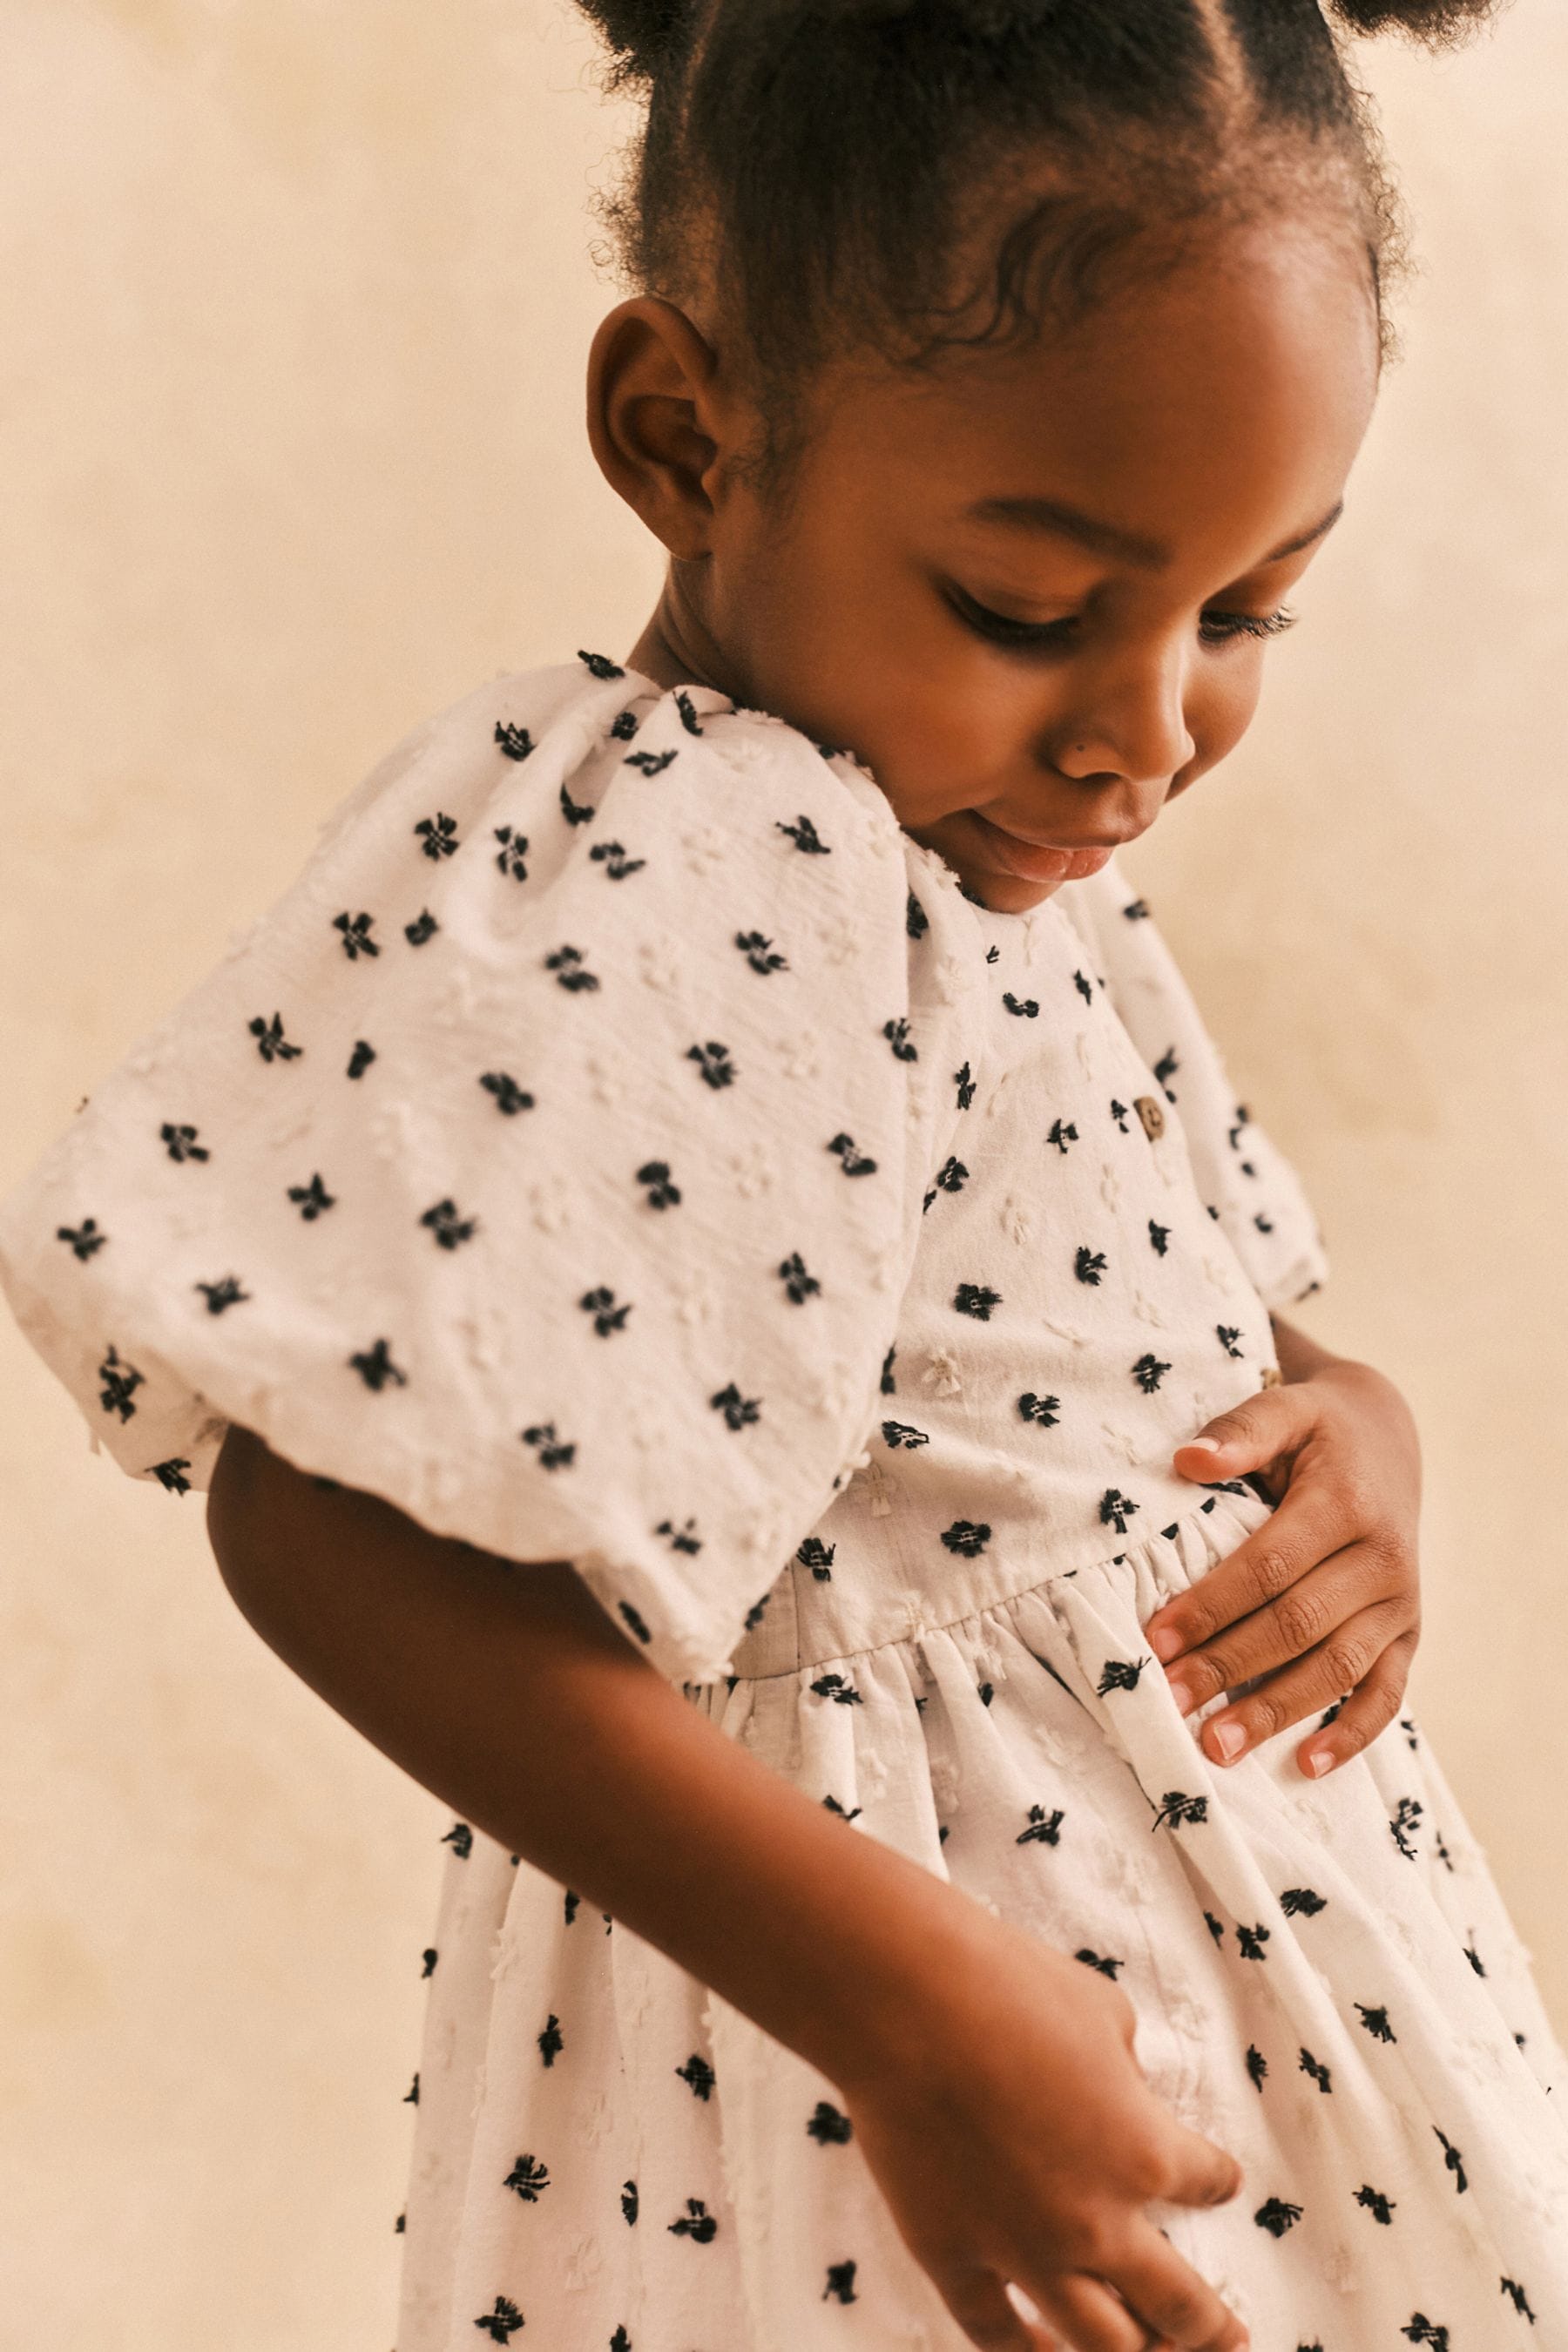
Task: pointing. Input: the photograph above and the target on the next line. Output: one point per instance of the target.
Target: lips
(1036, 862)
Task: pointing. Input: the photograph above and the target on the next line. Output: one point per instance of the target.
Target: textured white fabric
(623, 1144)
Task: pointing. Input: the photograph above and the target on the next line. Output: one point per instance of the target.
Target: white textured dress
(623, 1144)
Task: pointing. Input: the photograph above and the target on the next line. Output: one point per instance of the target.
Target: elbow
(233, 1502)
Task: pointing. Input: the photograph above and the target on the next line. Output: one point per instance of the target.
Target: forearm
(506, 1690)
(1299, 1357)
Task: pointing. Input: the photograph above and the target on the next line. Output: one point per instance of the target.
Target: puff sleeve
(549, 1160)
(1245, 1180)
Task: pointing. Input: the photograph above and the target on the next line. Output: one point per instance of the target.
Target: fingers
(1340, 1663)
(1096, 2319)
(1310, 1524)
(1170, 2297)
(1307, 1612)
(1250, 1435)
(1370, 1709)
(982, 2305)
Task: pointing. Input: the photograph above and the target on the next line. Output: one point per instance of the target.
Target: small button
(1273, 1378)
(1152, 1117)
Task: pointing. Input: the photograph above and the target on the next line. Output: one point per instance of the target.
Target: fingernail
(1230, 1739)
(1203, 1446)
(1317, 1761)
(1166, 1644)
(1180, 1694)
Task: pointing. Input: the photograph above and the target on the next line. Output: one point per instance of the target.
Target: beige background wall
(296, 300)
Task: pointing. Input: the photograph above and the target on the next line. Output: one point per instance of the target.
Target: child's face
(1202, 431)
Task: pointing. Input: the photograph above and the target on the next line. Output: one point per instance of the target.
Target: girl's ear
(656, 419)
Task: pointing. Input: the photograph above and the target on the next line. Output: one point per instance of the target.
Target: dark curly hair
(824, 177)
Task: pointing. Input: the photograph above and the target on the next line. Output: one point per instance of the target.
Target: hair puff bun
(646, 34)
(1433, 21)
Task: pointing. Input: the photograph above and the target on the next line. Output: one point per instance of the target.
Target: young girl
(730, 1320)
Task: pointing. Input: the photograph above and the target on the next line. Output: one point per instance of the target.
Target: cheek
(1221, 702)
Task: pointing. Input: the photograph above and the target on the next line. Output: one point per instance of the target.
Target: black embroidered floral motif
(896, 1033)
(839, 1689)
(569, 970)
(1256, 2067)
(817, 1555)
(969, 1536)
(1319, 2072)
(1454, 2161)
(681, 1539)
(840, 2283)
(1089, 1266)
(697, 2075)
(903, 1433)
(1118, 1113)
(917, 922)
(1149, 1371)
(1062, 1134)
(270, 1042)
(311, 1199)
(761, 953)
(1044, 1828)
(1252, 1940)
(1228, 1339)
(355, 928)
(662, 1193)
(1302, 1900)
(1379, 2206)
(423, 926)
(965, 1085)
(530, 2180)
(361, 1058)
(798, 1283)
(503, 2323)
(376, 1367)
(600, 666)
(738, 1412)
(1178, 1810)
(439, 835)
(511, 857)
(804, 836)
(1116, 1509)
(1406, 1816)
(826, 2124)
(460, 1838)
(1121, 1674)
(171, 1475)
(551, 1452)
(607, 1316)
(977, 1298)
(447, 1226)
(714, 1060)
(509, 1097)
(1277, 2216)
(515, 741)
(84, 1238)
(182, 1142)
(855, 1161)
(1027, 1010)
(1043, 1410)
(575, 812)
(222, 1293)
(1376, 2023)
(1158, 1236)
(612, 858)
(1107, 1968)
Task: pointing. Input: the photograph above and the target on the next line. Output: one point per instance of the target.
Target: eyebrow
(1035, 514)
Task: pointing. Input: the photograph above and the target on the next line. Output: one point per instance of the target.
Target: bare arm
(508, 1692)
(992, 2081)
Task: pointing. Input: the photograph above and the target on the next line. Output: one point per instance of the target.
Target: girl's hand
(1330, 1582)
(1015, 2141)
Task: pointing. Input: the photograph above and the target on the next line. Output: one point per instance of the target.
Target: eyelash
(997, 629)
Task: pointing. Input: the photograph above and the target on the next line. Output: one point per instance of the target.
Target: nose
(1127, 725)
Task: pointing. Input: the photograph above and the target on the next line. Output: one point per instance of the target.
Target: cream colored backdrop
(295, 304)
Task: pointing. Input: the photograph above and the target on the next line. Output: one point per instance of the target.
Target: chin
(1007, 894)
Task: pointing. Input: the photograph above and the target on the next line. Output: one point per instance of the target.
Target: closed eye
(1215, 628)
